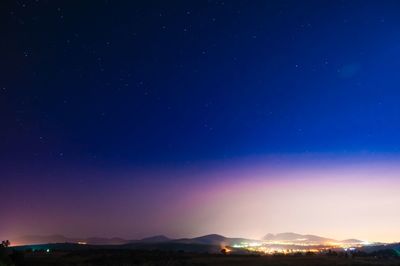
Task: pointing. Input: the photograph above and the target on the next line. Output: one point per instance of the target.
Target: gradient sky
(192, 117)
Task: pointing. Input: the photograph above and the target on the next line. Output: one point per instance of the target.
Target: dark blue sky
(133, 83)
(132, 118)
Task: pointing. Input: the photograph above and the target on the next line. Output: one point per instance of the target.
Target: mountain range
(303, 239)
(212, 239)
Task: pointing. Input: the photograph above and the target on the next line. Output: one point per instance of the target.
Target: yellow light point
(82, 243)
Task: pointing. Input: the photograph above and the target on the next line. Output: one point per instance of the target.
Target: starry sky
(135, 118)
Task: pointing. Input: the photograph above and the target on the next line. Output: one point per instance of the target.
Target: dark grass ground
(156, 258)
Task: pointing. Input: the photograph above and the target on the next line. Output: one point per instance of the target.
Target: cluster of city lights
(288, 247)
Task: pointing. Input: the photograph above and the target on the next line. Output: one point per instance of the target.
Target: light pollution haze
(349, 197)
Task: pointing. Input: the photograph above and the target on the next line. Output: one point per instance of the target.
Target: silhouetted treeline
(5, 258)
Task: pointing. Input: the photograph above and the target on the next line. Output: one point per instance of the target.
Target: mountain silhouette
(211, 239)
(214, 239)
(299, 238)
(155, 239)
(35, 239)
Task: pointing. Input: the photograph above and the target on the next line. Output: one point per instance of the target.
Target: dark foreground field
(157, 258)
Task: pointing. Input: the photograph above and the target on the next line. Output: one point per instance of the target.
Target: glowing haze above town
(326, 196)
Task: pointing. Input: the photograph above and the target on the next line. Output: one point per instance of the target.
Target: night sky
(136, 118)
